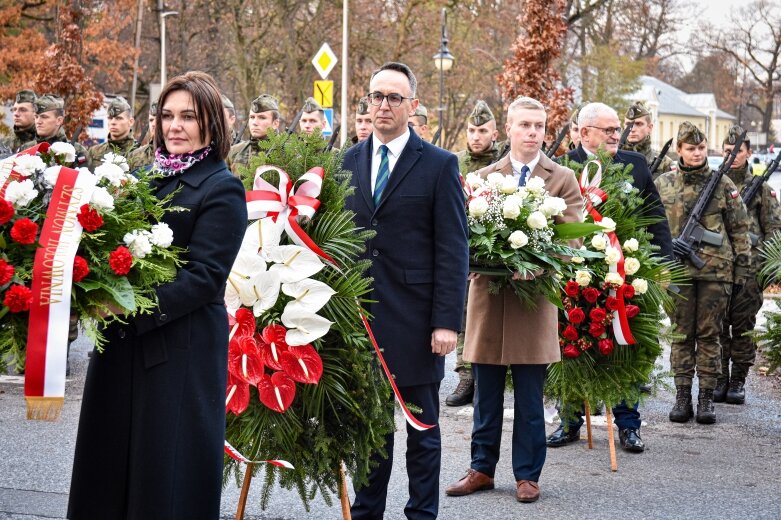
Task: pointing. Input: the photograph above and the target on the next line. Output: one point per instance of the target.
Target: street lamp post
(443, 60)
(163, 14)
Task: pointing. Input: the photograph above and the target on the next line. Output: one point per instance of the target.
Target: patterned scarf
(175, 164)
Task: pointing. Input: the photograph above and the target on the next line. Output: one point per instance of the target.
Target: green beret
(363, 106)
(690, 134)
(264, 103)
(310, 105)
(227, 103)
(481, 114)
(735, 131)
(26, 96)
(638, 109)
(422, 112)
(48, 103)
(117, 106)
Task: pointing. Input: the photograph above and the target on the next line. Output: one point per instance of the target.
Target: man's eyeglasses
(394, 100)
(610, 130)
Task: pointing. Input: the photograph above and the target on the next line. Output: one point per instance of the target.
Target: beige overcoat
(499, 329)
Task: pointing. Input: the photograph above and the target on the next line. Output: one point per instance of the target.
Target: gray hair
(404, 69)
(589, 114)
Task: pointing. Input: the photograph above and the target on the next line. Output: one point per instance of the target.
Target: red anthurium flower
(576, 315)
(596, 329)
(236, 395)
(572, 289)
(590, 294)
(632, 311)
(246, 321)
(277, 391)
(605, 346)
(244, 359)
(302, 364)
(611, 303)
(571, 351)
(628, 290)
(597, 314)
(570, 333)
(272, 343)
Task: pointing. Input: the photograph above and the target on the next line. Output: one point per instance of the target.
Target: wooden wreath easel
(610, 434)
(343, 496)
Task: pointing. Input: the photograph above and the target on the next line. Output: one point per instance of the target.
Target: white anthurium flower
(310, 295)
(26, 165)
(262, 233)
(239, 289)
(66, 150)
(265, 287)
(509, 185)
(293, 263)
(303, 326)
(495, 178)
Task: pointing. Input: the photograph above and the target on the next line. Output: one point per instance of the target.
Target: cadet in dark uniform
(263, 116)
(49, 117)
(24, 122)
(639, 138)
(120, 132)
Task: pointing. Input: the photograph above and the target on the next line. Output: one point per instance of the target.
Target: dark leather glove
(681, 249)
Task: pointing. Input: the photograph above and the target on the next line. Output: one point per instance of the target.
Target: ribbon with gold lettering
(47, 335)
(7, 173)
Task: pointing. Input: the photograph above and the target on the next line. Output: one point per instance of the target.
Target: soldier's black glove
(681, 249)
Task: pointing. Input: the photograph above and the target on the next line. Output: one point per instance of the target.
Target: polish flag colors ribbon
(594, 196)
(47, 336)
(7, 173)
(235, 455)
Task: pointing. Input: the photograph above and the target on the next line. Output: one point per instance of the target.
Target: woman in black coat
(152, 425)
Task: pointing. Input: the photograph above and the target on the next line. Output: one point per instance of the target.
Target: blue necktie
(382, 175)
(524, 176)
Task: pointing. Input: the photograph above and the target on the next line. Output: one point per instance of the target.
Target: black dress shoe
(562, 438)
(630, 440)
(463, 393)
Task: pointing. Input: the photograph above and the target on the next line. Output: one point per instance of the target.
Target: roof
(671, 99)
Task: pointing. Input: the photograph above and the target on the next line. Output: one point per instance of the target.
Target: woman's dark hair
(208, 110)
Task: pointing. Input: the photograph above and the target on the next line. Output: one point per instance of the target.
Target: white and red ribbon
(593, 197)
(7, 172)
(235, 455)
(47, 335)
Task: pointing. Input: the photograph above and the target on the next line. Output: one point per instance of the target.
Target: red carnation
(18, 298)
(632, 311)
(80, 268)
(6, 211)
(6, 272)
(596, 329)
(590, 294)
(629, 290)
(24, 231)
(571, 351)
(597, 314)
(576, 315)
(89, 218)
(572, 289)
(605, 346)
(570, 333)
(611, 303)
(120, 260)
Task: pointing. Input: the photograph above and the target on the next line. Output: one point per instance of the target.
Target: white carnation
(509, 184)
(599, 242)
(112, 172)
(65, 150)
(614, 279)
(20, 193)
(101, 199)
(631, 265)
(537, 220)
(510, 209)
(583, 278)
(608, 224)
(138, 241)
(631, 245)
(518, 239)
(640, 285)
(119, 160)
(478, 207)
(612, 255)
(50, 176)
(162, 235)
(495, 178)
(26, 165)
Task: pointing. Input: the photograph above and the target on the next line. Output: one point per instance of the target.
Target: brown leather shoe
(528, 491)
(471, 482)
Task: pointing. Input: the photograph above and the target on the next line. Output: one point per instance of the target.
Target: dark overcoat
(420, 255)
(152, 425)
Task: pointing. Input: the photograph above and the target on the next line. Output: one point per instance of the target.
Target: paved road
(728, 470)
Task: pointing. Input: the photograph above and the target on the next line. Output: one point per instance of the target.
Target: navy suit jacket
(645, 184)
(420, 254)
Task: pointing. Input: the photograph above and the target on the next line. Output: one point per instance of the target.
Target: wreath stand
(610, 434)
(343, 496)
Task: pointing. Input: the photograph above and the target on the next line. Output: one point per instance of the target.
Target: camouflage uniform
(636, 111)
(469, 161)
(240, 154)
(14, 143)
(141, 156)
(122, 146)
(45, 104)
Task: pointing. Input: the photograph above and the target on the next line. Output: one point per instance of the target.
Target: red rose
(6, 211)
(596, 329)
(597, 314)
(632, 311)
(629, 290)
(89, 218)
(120, 260)
(576, 315)
(572, 289)
(611, 303)
(24, 231)
(570, 333)
(6, 272)
(571, 351)
(590, 294)
(18, 298)
(605, 346)
(80, 268)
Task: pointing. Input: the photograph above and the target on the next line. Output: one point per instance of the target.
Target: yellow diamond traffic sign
(324, 60)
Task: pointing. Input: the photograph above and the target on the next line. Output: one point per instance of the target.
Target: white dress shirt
(518, 166)
(395, 148)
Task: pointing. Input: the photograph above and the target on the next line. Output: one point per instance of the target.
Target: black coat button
(164, 317)
(375, 222)
(375, 252)
(121, 333)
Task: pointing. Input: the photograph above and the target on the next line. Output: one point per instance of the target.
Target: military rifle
(751, 189)
(437, 135)
(625, 134)
(693, 233)
(294, 123)
(555, 146)
(75, 137)
(659, 158)
(332, 140)
(237, 139)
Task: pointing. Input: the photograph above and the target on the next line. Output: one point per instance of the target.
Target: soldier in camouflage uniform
(574, 129)
(145, 155)
(481, 133)
(24, 122)
(363, 121)
(419, 123)
(764, 220)
(639, 139)
(312, 117)
(263, 115)
(49, 117)
(120, 132)
(230, 116)
(699, 316)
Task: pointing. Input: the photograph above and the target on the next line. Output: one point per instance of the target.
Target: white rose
(478, 207)
(614, 279)
(631, 245)
(138, 242)
(511, 210)
(518, 239)
(631, 265)
(495, 179)
(509, 184)
(535, 184)
(612, 255)
(26, 165)
(162, 235)
(50, 176)
(112, 172)
(640, 285)
(20, 193)
(521, 193)
(578, 259)
(473, 180)
(514, 199)
(583, 278)
(608, 224)
(537, 220)
(101, 199)
(553, 206)
(599, 242)
(66, 150)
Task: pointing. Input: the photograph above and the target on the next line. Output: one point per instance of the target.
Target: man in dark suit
(409, 192)
(600, 127)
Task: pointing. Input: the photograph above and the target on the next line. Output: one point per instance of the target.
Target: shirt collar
(518, 165)
(395, 147)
